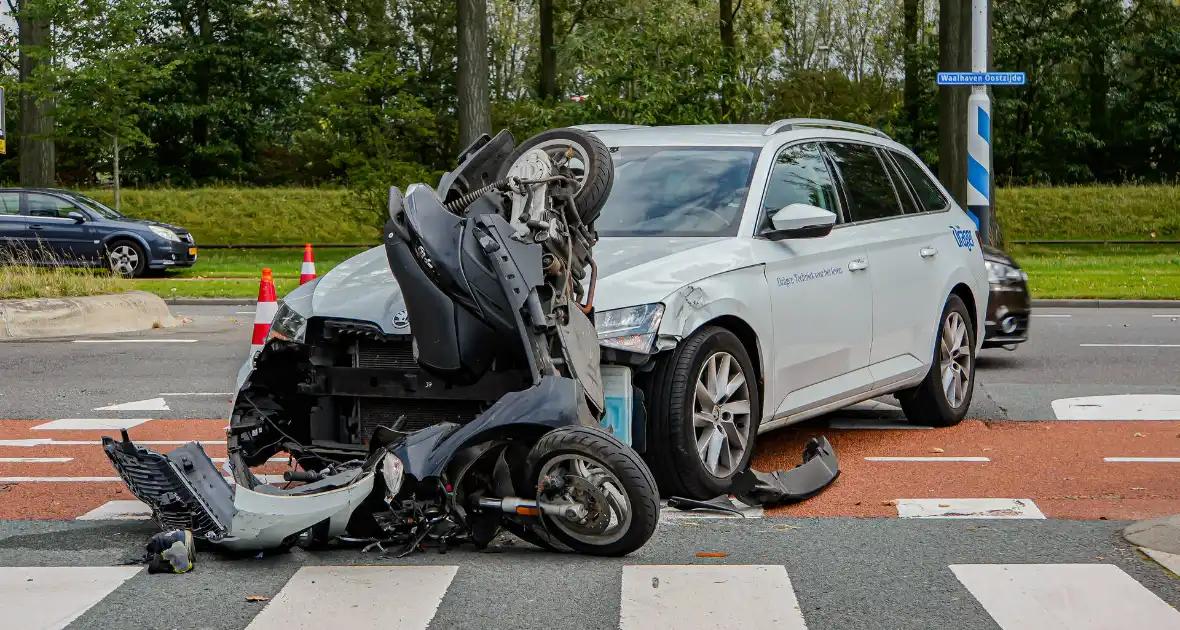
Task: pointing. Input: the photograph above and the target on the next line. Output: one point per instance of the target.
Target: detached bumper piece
(166, 484)
(781, 487)
(185, 490)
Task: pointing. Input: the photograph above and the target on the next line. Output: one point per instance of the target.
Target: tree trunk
(548, 87)
(911, 94)
(117, 172)
(474, 105)
(954, 55)
(728, 46)
(204, 69)
(37, 160)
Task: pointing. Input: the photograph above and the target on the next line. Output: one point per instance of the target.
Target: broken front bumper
(185, 490)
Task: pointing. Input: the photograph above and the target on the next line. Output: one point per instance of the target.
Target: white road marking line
(91, 424)
(267, 479)
(118, 510)
(243, 312)
(708, 596)
(1145, 460)
(1074, 596)
(334, 597)
(1058, 315)
(151, 404)
(1170, 561)
(1130, 345)
(35, 460)
(667, 513)
(48, 442)
(135, 341)
(1119, 407)
(927, 459)
(50, 598)
(226, 459)
(873, 426)
(968, 508)
(196, 394)
(1166, 316)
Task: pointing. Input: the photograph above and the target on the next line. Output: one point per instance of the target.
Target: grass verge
(22, 282)
(1146, 272)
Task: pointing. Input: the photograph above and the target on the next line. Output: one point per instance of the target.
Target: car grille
(388, 355)
(419, 413)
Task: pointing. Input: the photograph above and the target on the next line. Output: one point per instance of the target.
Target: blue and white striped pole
(979, 127)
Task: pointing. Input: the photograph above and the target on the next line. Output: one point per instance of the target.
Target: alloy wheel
(124, 259)
(955, 359)
(721, 414)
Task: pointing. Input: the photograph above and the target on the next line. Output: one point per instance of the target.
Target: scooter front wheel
(601, 497)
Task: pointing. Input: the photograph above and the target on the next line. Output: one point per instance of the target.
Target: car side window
(9, 203)
(800, 175)
(47, 206)
(931, 199)
(867, 186)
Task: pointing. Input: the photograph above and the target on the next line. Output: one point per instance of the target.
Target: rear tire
(599, 168)
(623, 464)
(944, 396)
(672, 446)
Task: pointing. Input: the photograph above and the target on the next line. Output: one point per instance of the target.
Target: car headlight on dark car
(632, 329)
(1001, 273)
(288, 325)
(165, 233)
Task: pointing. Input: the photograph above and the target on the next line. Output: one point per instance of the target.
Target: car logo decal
(964, 238)
(401, 320)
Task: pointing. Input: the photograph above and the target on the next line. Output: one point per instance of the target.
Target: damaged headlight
(393, 471)
(288, 325)
(632, 329)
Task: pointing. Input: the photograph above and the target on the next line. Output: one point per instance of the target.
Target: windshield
(677, 191)
(97, 207)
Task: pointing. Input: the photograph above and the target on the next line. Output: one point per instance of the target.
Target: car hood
(631, 271)
(148, 223)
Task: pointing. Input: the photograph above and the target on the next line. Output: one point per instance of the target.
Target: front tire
(127, 259)
(604, 472)
(705, 415)
(942, 399)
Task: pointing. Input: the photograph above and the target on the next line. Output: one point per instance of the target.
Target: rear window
(677, 191)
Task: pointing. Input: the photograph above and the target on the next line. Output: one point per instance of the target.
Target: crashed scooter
(498, 275)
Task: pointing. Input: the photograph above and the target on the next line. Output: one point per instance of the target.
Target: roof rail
(790, 124)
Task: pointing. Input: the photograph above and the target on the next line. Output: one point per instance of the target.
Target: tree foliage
(363, 93)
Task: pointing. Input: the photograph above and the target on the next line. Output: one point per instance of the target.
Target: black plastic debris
(173, 551)
(771, 489)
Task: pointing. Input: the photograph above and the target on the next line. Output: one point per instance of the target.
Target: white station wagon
(749, 277)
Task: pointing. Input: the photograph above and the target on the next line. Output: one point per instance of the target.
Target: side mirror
(77, 217)
(800, 220)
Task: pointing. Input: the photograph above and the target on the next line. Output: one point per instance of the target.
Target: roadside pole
(979, 116)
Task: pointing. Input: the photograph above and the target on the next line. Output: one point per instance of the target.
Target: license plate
(616, 385)
(192, 251)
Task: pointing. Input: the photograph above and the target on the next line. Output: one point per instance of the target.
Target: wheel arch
(964, 292)
(750, 342)
(114, 237)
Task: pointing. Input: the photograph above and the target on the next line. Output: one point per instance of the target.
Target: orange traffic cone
(265, 311)
(307, 273)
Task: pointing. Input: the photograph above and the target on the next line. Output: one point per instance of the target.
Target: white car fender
(960, 275)
(741, 293)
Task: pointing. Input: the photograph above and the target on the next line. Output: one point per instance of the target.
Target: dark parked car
(60, 227)
(1008, 303)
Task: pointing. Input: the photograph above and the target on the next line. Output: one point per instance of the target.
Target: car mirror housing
(78, 217)
(800, 220)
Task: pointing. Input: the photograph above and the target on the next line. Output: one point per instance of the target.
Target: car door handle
(36, 227)
(928, 252)
(858, 265)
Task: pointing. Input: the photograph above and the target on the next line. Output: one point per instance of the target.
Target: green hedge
(224, 216)
(298, 215)
(1090, 212)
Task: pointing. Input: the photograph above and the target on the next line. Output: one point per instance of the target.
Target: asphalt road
(902, 571)
(63, 378)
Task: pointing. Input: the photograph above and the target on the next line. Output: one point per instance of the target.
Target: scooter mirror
(395, 200)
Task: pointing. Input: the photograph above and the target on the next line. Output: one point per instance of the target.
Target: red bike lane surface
(1060, 466)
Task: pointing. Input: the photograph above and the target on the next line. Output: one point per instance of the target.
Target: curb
(1052, 303)
(212, 301)
(39, 318)
(1160, 534)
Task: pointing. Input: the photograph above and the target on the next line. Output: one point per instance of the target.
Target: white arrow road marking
(1119, 407)
(91, 424)
(151, 404)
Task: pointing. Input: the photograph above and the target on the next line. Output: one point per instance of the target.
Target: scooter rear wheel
(608, 480)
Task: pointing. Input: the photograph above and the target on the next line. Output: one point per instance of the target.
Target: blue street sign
(981, 78)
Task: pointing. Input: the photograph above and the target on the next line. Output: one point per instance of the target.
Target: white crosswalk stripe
(689, 597)
(49, 598)
(402, 598)
(708, 596)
